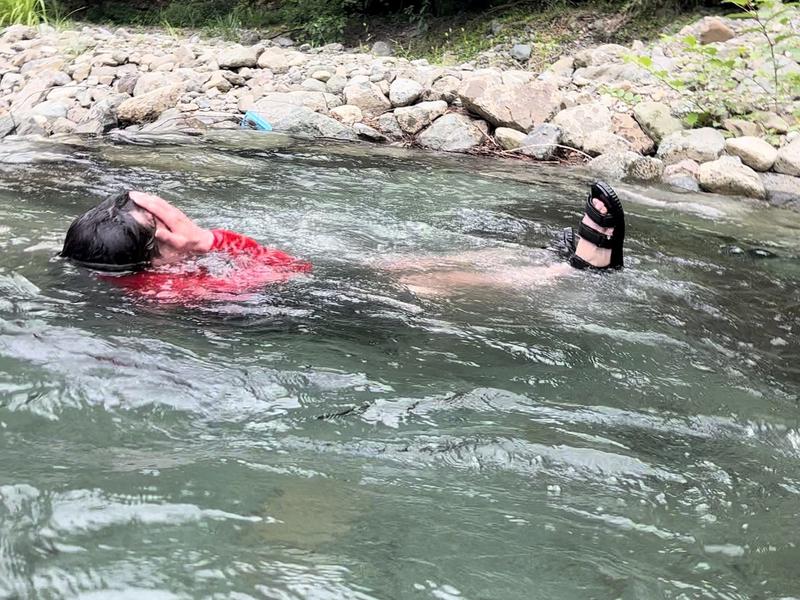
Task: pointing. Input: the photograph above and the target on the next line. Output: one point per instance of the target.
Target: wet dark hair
(108, 237)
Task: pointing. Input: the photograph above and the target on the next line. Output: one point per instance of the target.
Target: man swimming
(143, 235)
(142, 238)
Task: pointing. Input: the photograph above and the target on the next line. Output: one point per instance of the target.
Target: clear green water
(628, 436)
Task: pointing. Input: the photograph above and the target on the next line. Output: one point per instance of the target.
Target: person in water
(596, 245)
(142, 238)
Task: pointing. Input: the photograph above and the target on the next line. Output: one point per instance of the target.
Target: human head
(115, 235)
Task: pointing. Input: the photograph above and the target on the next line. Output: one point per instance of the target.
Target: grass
(551, 31)
(25, 12)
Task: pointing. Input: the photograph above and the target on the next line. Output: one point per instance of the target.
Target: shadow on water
(339, 436)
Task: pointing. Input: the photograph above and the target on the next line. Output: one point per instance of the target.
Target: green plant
(711, 79)
(25, 12)
(319, 21)
(766, 14)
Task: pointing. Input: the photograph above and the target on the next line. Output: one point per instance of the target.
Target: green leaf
(740, 16)
(690, 41)
(692, 119)
(645, 61)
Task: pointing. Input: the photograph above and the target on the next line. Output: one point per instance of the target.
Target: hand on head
(176, 233)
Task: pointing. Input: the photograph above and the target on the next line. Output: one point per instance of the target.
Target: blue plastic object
(252, 120)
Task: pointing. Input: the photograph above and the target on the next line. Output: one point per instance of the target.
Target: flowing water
(633, 435)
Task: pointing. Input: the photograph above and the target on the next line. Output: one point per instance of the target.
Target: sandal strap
(603, 220)
(595, 237)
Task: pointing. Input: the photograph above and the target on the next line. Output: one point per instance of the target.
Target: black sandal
(615, 218)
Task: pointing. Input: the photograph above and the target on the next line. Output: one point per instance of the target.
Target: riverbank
(623, 110)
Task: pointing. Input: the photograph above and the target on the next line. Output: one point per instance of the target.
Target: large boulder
(147, 82)
(579, 121)
(299, 120)
(645, 169)
(452, 133)
(782, 190)
(542, 143)
(602, 142)
(347, 114)
(506, 102)
(102, 116)
(625, 126)
(703, 145)
(444, 88)
(388, 124)
(788, 159)
(683, 175)
(756, 153)
(656, 120)
(316, 101)
(368, 97)
(741, 127)
(415, 118)
(509, 139)
(714, 29)
(614, 165)
(727, 175)
(280, 61)
(403, 92)
(146, 108)
(237, 57)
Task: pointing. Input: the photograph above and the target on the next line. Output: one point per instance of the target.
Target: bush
(321, 21)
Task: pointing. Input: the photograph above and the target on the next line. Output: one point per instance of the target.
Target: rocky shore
(598, 104)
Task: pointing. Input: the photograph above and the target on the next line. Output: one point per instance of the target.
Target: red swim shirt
(252, 267)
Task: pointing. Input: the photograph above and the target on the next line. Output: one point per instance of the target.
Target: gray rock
(389, 125)
(509, 139)
(146, 108)
(713, 29)
(147, 82)
(32, 125)
(604, 142)
(727, 175)
(613, 166)
(51, 109)
(742, 127)
(283, 41)
(782, 190)
(7, 126)
(514, 104)
(347, 114)
(299, 120)
(451, 133)
(413, 119)
(336, 84)
(62, 125)
(625, 126)
(403, 92)
(17, 33)
(316, 101)
(683, 175)
(239, 56)
(788, 159)
(366, 132)
(280, 61)
(444, 88)
(542, 142)
(756, 153)
(521, 52)
(579, 121)
(368, 97)
(702, 145)
(382, 48)
(771, 121)
(645, 169)
(656, 120)
(102, 116)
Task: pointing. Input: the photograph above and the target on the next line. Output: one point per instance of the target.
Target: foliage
(320, 21)
(26, 12)
(717, 81)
